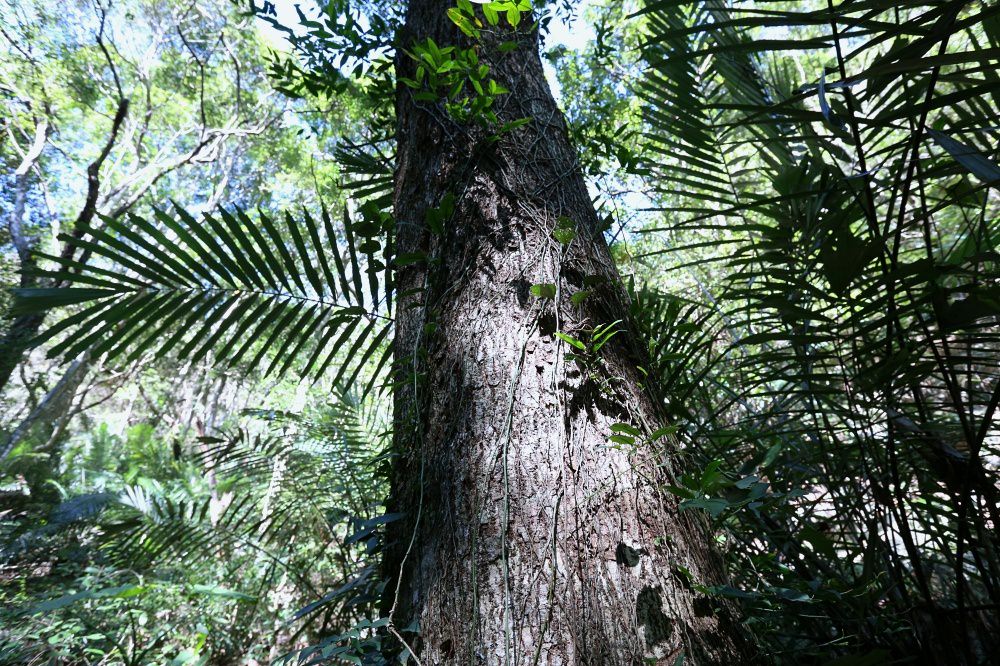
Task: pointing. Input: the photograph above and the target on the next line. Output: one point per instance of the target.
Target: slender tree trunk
(22, 329)
(19, 330)
(15, 341)
(528, 537)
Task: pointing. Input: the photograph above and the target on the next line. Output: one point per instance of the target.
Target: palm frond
(369, 172)
(269, 294)
(846, 347)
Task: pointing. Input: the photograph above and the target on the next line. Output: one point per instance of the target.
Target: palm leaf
(227, 284)
(846, 345)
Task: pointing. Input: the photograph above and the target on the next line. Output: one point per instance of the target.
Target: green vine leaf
(627, 429)
(543, 290)
(463, 22)
(564, 231)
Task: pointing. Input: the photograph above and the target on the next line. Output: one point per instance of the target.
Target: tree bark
(19, 330)
(23, 329)
(527, 536)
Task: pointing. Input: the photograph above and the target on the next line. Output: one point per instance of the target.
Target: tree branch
(94, 182)
(14, 224)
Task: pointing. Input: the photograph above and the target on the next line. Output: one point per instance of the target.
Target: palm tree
(849, 354)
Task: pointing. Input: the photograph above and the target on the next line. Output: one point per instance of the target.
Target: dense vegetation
(196, 434)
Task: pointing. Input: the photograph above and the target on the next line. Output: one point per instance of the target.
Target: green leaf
(462, 21)
(304, 254)
(287, 265)
(714, 506)
(120, 592)
(565, 230)
(970, 158)
(408, 258)
(543, 290)
(568, 339)
(732, 592)
(663, 432)
(791, 595)
(37, 299)
(604, 333)
(626, 428)
(772, 455)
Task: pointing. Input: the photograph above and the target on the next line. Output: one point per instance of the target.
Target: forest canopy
(499, 332)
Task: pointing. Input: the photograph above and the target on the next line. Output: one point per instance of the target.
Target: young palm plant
(289, 512)
(847, 195)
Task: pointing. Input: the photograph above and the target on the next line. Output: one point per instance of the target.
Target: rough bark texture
(528, 537)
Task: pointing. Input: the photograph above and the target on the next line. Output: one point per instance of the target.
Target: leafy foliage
(289, 509)
(833, 165)
(824, 183)
(162, 549)
(239, 288)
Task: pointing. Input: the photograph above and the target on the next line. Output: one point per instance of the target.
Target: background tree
(102, 68)
(117, 452)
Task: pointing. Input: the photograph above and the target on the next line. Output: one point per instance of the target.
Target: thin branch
(104, 50)
(16, 220)
(94, 183)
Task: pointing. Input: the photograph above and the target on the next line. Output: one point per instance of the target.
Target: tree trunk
(528, 536)
(23, 329)
(18, 331)
(15, 341)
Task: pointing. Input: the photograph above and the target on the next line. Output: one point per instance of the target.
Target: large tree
(531, 458)
(537, 529)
